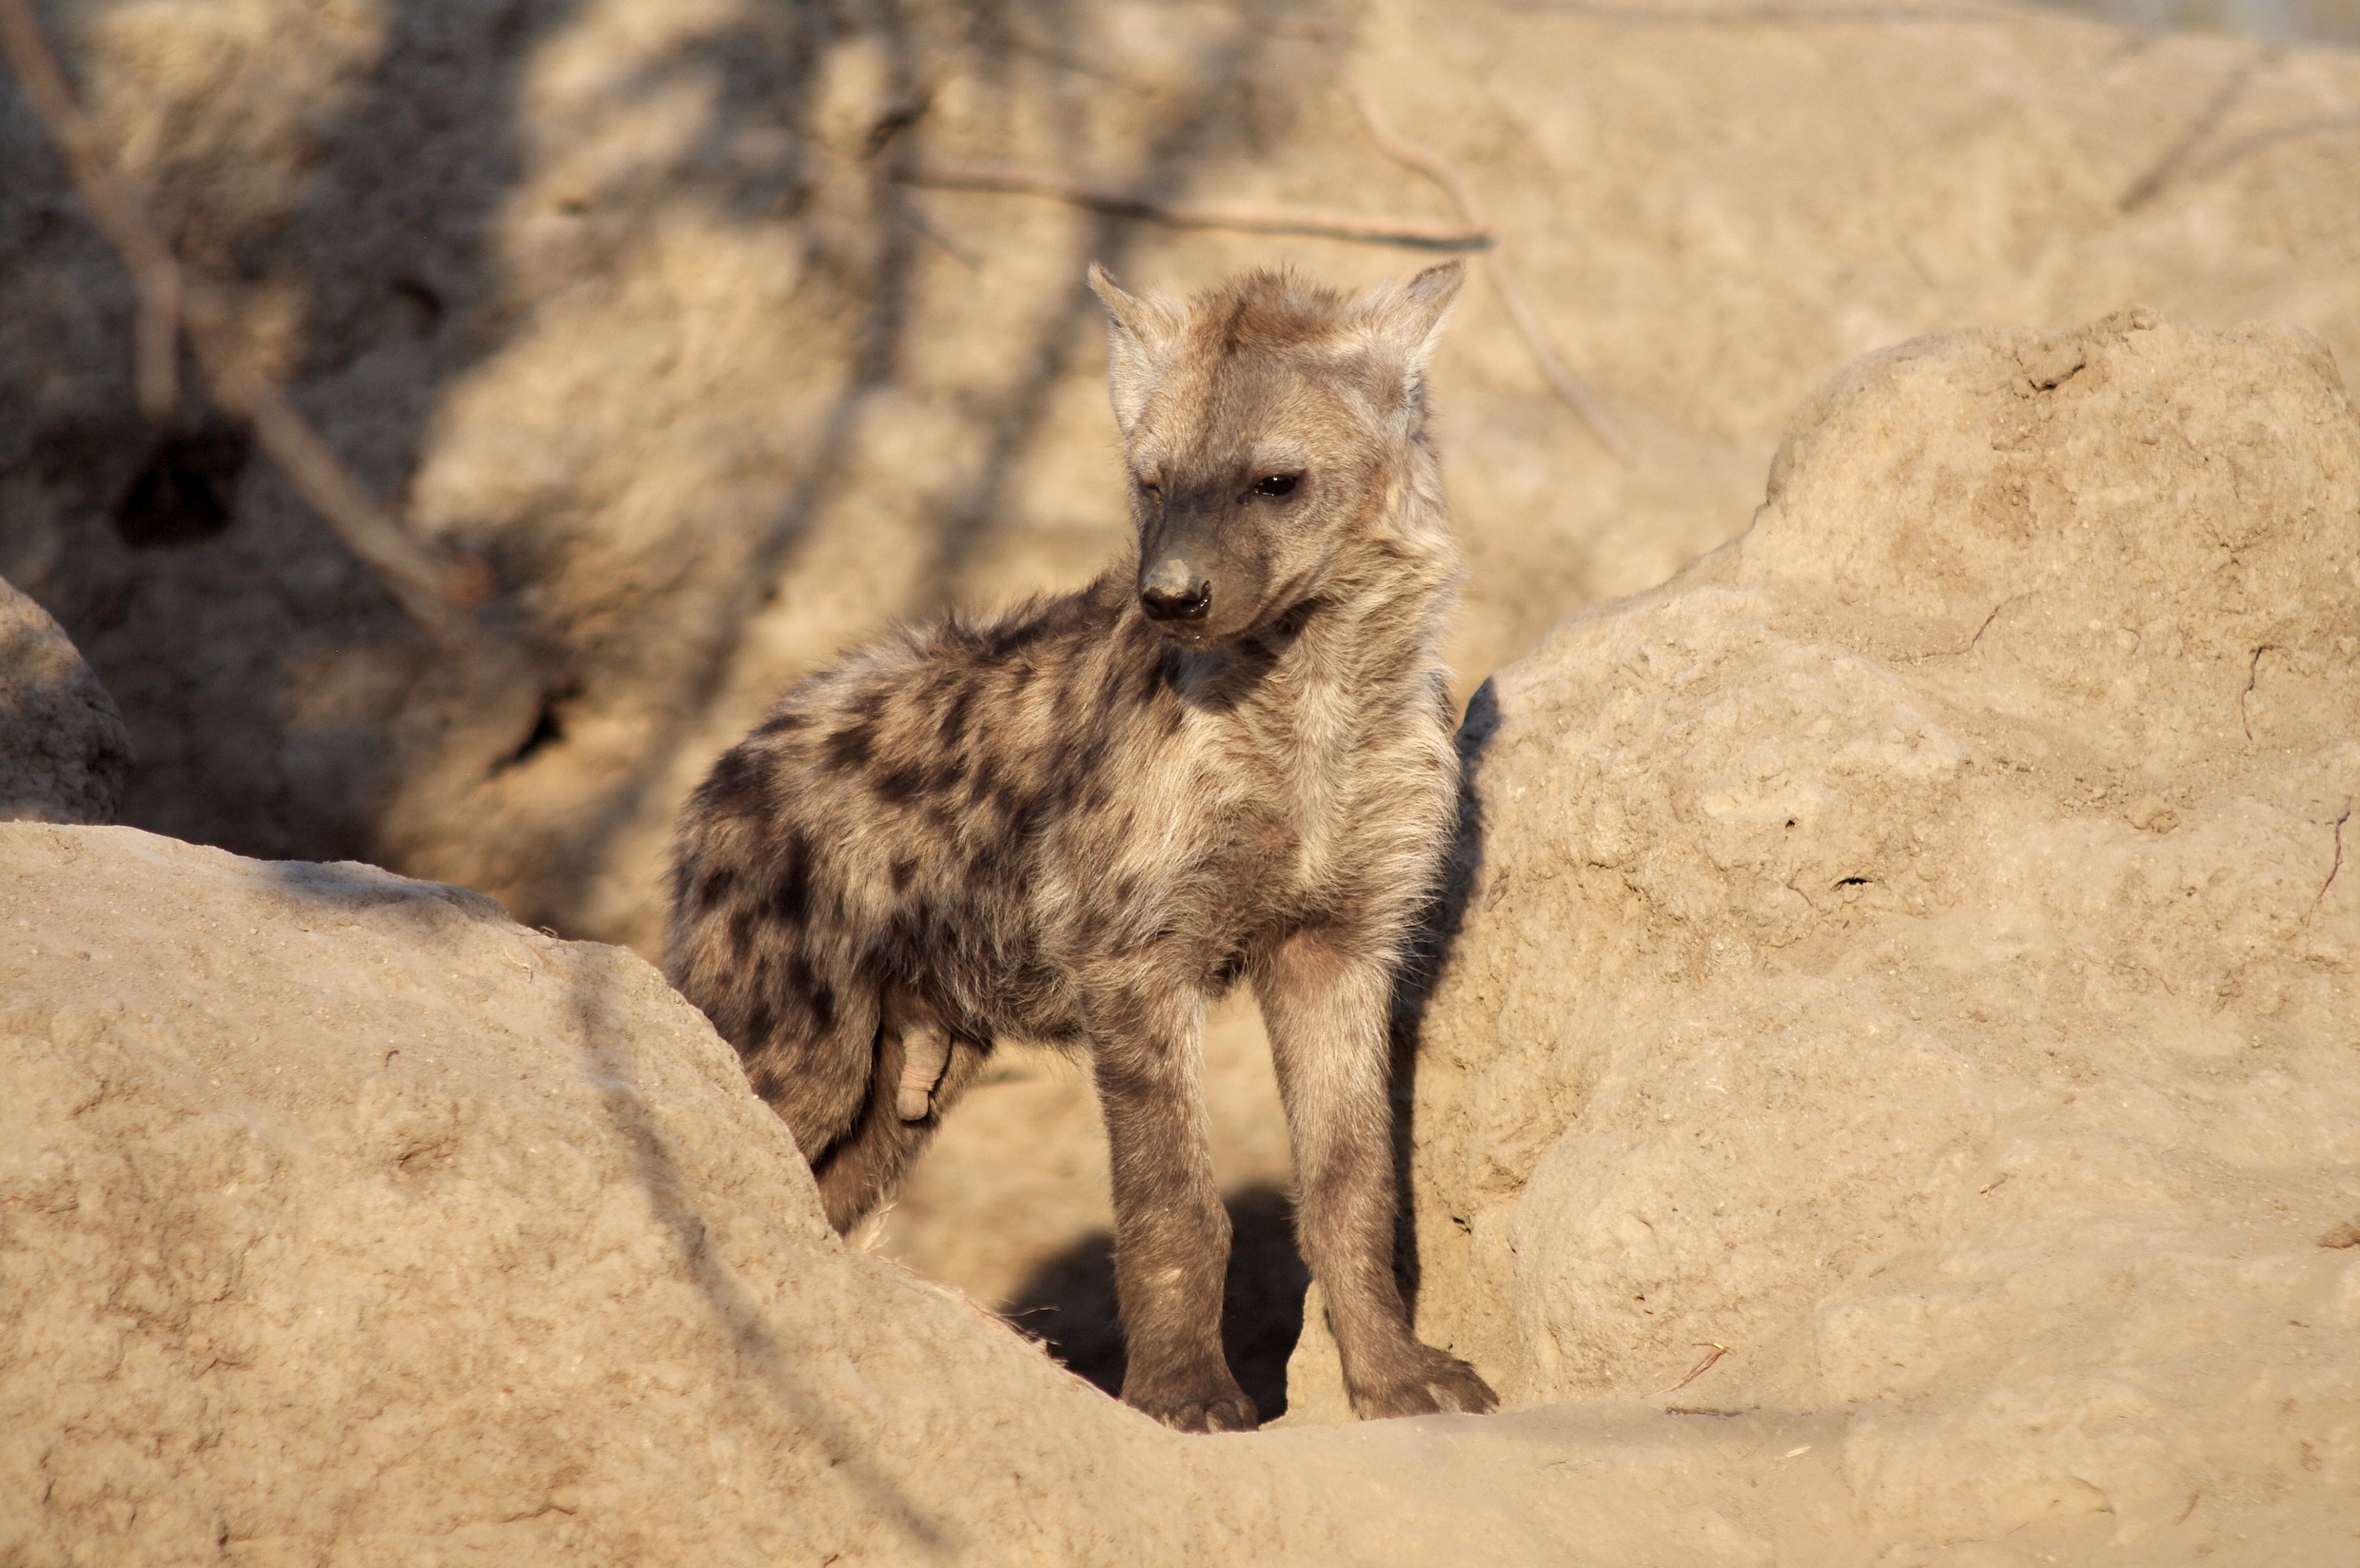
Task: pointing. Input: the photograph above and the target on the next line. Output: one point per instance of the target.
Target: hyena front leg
(1325, 1003)
(1171, 1235)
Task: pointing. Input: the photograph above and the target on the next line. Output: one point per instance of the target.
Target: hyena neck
(1382, 607)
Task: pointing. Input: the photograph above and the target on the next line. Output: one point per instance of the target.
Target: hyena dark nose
(1174, 591)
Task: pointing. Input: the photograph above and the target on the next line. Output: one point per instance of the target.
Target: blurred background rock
(625, 296)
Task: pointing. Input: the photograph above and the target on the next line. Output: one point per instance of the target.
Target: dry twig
(1712, 1353)
(1125, 203)
(1562, 380)
(429, 583)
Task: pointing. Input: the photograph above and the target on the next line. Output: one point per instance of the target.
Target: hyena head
(1269, 426)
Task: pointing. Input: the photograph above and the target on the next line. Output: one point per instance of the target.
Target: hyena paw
(1227, 1410)
(1426, 1383)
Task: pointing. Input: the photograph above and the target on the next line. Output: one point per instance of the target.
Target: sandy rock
(63, 749)
(1913, 951)
(341, 1218)
(345, 1222)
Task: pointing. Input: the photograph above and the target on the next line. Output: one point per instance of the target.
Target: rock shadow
(1429, 954)
(281, 704)
(1069, 1302)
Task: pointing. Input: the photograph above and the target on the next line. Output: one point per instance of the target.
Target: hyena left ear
(1141, 335)
(1403, 323)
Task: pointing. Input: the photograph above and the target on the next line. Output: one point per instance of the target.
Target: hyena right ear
(1399, 326)
(1141, 336)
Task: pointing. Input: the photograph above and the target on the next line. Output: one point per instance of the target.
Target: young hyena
(1228, 756)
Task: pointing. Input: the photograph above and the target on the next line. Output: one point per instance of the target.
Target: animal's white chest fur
(1348, 764)
(1316, 789)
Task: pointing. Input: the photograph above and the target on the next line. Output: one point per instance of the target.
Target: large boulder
(1906, 965)
(63, 749)
(341, 1218)
(345, 1222)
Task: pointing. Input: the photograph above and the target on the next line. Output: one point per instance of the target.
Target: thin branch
(1569, 387)
(2335, 868)
(1125, 203)
(429, 583)
(2176, 159)
(154, 277)
(1712, 1352)
(1968, 646)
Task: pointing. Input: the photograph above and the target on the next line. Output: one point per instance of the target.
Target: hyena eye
(1277, 485)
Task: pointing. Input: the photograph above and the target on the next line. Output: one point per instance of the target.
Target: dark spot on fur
(760, 1021)
(780, 723)
(741, 931)
(902, 785)
(847, 750)
(904, 869)
(1011, 635)
(790, 901)
(715, 887)
(1233, 330)
(953, 729)
(735, 786)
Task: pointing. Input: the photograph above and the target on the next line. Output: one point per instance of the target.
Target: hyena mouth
(1175, 592)
(1195, 604)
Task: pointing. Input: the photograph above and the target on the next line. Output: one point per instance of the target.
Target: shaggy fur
(1228, 756)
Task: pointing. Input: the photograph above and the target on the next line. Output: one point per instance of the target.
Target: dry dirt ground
(625, 295)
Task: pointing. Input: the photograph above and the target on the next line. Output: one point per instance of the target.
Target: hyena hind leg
(925, 1054)
(862, 1169)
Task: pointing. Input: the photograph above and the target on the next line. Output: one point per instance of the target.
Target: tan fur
(1230, 756)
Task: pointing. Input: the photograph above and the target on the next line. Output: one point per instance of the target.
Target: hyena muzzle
(1229, 757)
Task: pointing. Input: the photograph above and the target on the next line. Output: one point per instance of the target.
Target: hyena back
(1229, 757)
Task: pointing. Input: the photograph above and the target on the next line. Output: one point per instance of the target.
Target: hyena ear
(1401, 325)
(1141, 336)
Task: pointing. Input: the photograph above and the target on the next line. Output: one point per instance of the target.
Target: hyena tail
(817, 1079)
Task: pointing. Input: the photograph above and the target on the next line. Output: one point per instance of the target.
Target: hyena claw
(1431, 1383)
(1231, 1412)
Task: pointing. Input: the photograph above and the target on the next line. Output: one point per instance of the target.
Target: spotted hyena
(1229, 757)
